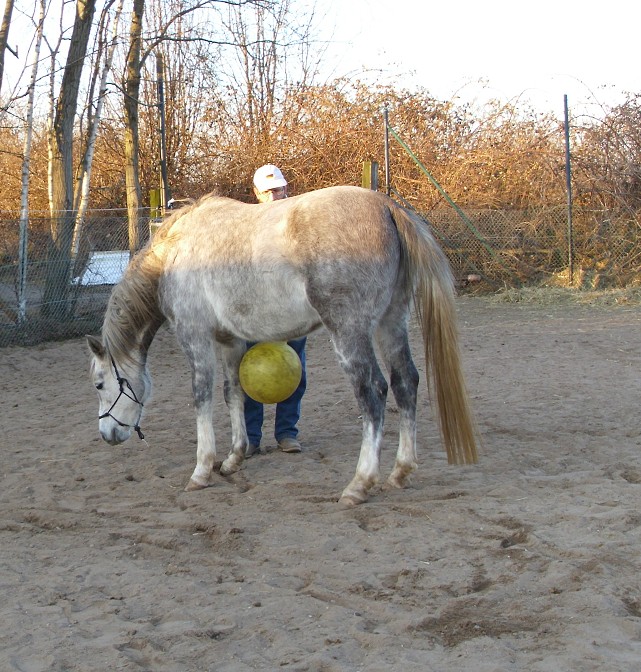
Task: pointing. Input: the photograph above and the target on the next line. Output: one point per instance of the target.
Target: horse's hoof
(400, 476)
(349, 500)
(399, 482)
(228, 468)
(192, 486)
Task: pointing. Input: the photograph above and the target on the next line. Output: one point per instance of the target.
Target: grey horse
(224, 272)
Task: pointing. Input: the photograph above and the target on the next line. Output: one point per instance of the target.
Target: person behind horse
(271, 185)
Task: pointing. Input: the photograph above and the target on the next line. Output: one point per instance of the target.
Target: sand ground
(529, 560)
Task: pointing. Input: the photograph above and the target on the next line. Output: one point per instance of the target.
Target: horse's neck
(131, 322)
(149, 335)
(141, 339)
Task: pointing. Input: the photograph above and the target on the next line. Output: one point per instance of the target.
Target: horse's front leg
(235, 400)
(200, 353)
(206, 446)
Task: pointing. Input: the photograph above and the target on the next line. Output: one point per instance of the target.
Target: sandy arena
(530, 560)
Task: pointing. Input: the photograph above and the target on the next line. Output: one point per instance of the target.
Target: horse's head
(122, 389)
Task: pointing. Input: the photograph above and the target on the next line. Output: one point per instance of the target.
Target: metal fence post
(22, 268)
(568, 183)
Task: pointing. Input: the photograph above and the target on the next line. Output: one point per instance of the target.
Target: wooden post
(155, 210)
(370, 175)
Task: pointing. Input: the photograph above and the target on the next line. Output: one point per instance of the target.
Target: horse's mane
(133, 313)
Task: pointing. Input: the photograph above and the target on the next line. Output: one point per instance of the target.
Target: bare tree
(272, 59)
(167, 28)
(136, 56)
(4, 35)
(26, 160)
(132, 140)
(273, 44)
(62, 137)
(107, 46)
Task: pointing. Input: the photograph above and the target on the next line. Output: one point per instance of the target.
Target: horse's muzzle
(115, 435)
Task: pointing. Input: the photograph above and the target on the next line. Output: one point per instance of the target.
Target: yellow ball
(270, 372)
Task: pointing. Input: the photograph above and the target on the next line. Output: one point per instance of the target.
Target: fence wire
(510, 248)
(505, 248)
(31, 312)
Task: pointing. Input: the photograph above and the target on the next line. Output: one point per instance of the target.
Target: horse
(222, 273)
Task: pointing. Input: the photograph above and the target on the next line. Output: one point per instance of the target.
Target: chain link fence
(513, 248)
(500, 248)
(29, 312)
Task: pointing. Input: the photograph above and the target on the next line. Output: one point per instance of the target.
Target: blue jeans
(287, 412)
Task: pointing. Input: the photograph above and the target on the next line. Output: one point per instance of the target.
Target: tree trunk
(26, 161)
(84, 177)
(132, 94)
(61, 206)
(4, 34)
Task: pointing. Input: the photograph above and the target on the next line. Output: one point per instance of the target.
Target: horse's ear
(95, 345)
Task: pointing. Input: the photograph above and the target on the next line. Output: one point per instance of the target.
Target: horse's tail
(428, 273)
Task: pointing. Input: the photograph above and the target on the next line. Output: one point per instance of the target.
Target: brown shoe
(290, 445)
(251, 450)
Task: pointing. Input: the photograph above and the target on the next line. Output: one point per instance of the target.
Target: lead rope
(122, 383)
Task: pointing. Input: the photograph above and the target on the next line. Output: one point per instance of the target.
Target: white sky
(507, 49)
(534, 51)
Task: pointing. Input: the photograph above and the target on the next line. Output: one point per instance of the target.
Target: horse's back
(269, 270)
(346, 217)
(344, 223)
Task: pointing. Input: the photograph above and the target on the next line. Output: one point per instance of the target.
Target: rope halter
(128, 391)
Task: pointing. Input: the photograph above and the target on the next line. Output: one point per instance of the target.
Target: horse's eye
(99, 386)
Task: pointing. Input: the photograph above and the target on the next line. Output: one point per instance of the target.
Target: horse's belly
(269, 312)
(252, 304)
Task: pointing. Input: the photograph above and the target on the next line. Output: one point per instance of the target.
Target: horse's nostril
(111, 436)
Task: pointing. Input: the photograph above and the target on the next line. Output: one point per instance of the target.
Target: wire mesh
(31, 312)
(507, 248)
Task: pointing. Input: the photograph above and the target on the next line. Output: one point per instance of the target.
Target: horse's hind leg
(395, 350)
(357, 358)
